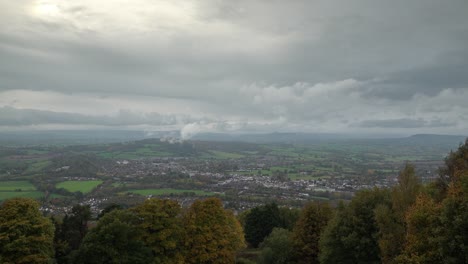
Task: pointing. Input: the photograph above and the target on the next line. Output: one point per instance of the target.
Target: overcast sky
(355, 66)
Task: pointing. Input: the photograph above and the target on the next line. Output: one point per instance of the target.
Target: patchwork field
(78, 186)
(12, 189)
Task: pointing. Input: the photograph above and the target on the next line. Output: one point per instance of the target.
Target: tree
(454, 222)
(288, 217)
(110, 208)
(260, 221)
(391, 218)
(70, 233)
(161, 229)
(455, 163)
(25, 235)
(306, 233)
(352, 234)
(115, 239)
(213, 235)
(422, 238)
(437, 224)
(277, 247)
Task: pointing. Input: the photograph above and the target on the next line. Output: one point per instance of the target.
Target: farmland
(10, 189)
(243, 173)
(78, 186)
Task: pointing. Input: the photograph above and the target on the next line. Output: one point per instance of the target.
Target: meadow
(78, 186)
(12, 189)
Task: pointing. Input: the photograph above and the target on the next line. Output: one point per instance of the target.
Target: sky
(357, 66)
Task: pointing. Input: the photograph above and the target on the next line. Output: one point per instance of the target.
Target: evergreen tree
(352, 234)
(70, 233)
(115, 239)
(277, 248)
(260, 221)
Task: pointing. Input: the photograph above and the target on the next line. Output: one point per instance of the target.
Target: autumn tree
(306, 234)
(437, 224)
(213, 235)
(454, 221)
(390, 218)
(25, 235)
(161, 229)
(422, 238)
(115, 239)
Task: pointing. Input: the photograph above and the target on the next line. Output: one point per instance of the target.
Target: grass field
(9, 195)
(170, 191)
(12, 189)
(225, 155)
(78, 186)
(16, 185)
(37, 166)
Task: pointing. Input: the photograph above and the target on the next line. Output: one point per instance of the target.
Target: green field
(12, 189)
(37, 166)
(170, 191)
(9, 195)
(78, 186)
(223, 155)
(16, 185)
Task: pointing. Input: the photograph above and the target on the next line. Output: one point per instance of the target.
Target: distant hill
(279, 137)
(69, 137)
(321, 137)
(428, 139)
(83, 137)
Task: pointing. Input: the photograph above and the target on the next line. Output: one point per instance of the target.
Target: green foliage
(437, 226)
(25, 235)
(312, 221)
(352, 234)
(422, 238)
(70, 233)
(213, 235)
(114, 240)
(454, 223)
(277, 247)
(455, 163)
(260, 221)
(109, 209)
(161, 229)
(288, 217)
(391, 218)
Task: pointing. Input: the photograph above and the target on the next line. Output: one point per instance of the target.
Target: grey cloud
(396, 51)
(404, 123)
(10, 116)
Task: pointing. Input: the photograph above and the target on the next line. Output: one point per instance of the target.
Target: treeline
(409, 223)
(156, 231)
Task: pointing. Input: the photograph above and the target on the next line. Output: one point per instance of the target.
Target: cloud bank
(235, 66)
